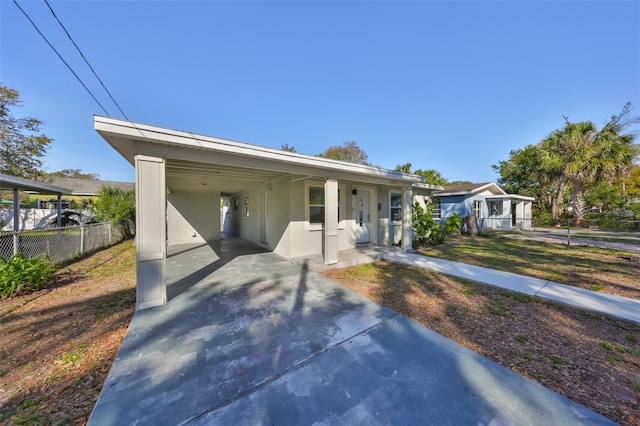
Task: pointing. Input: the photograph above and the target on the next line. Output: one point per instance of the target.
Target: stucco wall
(193, 217)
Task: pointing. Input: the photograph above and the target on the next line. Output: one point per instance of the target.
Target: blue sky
(451, 86)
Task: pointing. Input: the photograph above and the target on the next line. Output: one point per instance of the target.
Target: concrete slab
(401, 373)
(610, 304)
(259, 339)
(506, 280)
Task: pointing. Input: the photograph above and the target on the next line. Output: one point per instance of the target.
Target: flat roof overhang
(201, 163)
(11, 182)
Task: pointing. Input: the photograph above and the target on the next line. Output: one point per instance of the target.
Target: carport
(288, 203)
(16, 185)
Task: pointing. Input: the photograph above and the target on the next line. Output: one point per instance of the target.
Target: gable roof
(470, 189)
(90, 186)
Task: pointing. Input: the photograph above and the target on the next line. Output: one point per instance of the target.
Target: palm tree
(581, 155)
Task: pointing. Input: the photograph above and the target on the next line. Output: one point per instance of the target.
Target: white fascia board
(136, 131)
(428, 186)
(11, 182)
(473, 191)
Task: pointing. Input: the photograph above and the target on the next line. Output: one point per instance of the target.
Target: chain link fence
(59, 244)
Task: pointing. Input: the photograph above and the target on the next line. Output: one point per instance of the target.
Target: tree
(72, 173)
(288, 148)
(431, 176)
(348, 151)
(459, 182)
(522, 174)
(21, 149)
(118, 206)
(404, 168)
(577, 160)
(580, 155)
(631, 190)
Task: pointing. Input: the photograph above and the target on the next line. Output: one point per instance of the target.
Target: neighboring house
(494, 208)
(89, 187)
(292, 204)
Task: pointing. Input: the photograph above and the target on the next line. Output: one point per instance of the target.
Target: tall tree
(404, 168)
(522, 174)
(72, 173)
(432, 176)
(348, 151)
(580, 155)
(21, 148)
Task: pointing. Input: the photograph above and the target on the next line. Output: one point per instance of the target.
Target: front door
(362, 217)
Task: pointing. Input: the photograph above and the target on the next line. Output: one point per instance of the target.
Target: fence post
(16, 235)
(81, 238)
(109, 228)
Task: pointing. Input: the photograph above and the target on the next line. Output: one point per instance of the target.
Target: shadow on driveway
(259, 339)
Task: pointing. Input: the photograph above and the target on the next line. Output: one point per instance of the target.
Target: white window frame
(391, 194)
(437, 208)
(307, 205)
(477, 208)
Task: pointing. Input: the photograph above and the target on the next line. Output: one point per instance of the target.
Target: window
(437, 211)
(316, 205)
(477, 208)
(495, 208)
(246, 206)
(395, 206)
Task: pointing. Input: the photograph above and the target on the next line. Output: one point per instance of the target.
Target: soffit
(191, 176)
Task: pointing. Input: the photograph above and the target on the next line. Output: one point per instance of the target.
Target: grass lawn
(597, 269)
(59, 343)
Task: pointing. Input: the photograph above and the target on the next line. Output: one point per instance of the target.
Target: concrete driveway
(252, 338)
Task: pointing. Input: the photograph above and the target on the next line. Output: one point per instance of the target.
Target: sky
(452, 86)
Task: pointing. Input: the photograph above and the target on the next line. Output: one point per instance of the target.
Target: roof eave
(107, 127)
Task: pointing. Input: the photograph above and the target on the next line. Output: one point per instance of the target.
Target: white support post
(59, 220)
(505, 214)
(407, 209)
(151, 247)
(81, 238)
(331, 222)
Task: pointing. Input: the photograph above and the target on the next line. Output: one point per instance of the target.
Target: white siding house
(292, 204)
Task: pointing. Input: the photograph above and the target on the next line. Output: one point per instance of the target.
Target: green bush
(21, 275)
(426, 231)
(453, 224)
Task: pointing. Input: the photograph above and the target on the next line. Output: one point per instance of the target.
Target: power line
(61, 58)
(85, 59)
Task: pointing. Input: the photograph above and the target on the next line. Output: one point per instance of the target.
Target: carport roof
(203, 163)
(12, 182)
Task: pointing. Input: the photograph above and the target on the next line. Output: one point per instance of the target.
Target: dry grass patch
(590, 358)
(59, 343)
(610, 271)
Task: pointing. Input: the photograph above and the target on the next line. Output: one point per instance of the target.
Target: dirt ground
(589, 358)
(57, 345)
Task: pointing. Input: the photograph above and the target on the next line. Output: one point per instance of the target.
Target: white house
(292, 204)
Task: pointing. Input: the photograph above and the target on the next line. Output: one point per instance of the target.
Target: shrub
(22, 275)
(426, 231)
(453, 224)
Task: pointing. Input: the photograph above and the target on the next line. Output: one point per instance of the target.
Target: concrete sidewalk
(609, 304)
(255, 339)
